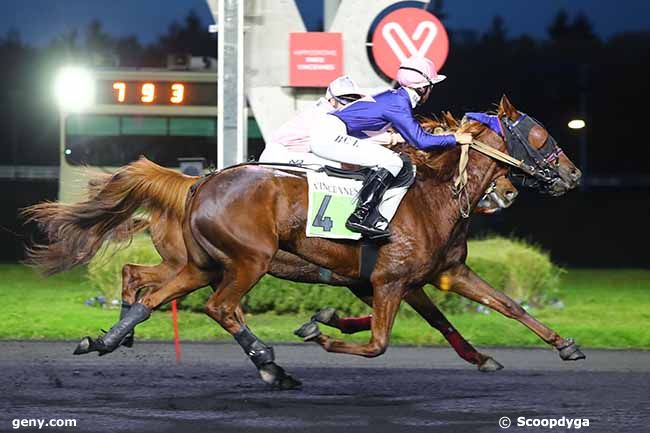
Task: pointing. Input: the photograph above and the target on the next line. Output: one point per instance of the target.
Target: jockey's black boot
(365, 217)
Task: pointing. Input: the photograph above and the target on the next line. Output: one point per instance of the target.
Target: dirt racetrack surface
(216, 389)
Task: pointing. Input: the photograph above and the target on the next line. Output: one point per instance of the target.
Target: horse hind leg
(421, 303)
(134, 279)
(167, 238)
(187, 280)
(224, 307)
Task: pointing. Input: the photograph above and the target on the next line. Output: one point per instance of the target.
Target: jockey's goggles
(406, 68)
(346, 99)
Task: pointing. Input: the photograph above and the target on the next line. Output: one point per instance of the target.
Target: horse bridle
(545, 160)
(536, 168)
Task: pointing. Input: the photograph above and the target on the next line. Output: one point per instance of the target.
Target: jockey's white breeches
(330, 140)
(275, 152)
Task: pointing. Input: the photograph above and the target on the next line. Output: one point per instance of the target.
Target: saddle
(405, 177)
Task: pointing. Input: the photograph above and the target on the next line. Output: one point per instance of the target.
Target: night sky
(38, 21)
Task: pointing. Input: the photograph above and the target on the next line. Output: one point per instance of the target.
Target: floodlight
(74, 88)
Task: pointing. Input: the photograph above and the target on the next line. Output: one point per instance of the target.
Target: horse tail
(76, 231)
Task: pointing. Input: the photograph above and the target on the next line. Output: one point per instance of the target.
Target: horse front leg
(466, 283)
(347, 325)
(385, 304)
(421, 303)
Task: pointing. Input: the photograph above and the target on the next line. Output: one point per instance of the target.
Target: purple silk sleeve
(489, 120)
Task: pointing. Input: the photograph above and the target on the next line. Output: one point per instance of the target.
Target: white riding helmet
(344, 90)
(418, 71)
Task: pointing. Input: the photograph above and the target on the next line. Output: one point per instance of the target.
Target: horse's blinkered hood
(515, 134)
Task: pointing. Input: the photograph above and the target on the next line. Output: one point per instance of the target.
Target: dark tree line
(102, 49)
(28, 117)
(545, 77)
(571, 73)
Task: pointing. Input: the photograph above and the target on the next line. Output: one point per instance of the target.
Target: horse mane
(438, 164)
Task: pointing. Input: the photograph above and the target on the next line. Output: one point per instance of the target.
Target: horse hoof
(288, 382)
(571, 351)
(308, 331)
(87, 345)
(275, 376)
(128, 341)
(325, 316)
(489, 365)
(84, 346)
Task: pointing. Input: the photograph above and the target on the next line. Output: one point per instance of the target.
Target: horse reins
(503, 157)
(460, 180)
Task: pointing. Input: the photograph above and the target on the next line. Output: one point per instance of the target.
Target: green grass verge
(517, 268)
(603, 308)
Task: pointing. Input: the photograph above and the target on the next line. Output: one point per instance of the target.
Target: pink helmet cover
(418, 71)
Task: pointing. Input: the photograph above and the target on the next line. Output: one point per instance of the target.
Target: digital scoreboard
(156, 92)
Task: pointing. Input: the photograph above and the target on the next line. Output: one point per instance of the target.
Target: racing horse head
(500, 195)
(528, 140)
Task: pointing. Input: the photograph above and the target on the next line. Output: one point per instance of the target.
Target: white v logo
(391, 29)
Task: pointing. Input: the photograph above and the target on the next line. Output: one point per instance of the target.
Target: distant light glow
(577, 124)
(74, 88)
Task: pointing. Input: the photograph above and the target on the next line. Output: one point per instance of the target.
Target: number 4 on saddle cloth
(333, 195)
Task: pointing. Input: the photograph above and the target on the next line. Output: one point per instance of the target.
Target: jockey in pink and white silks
(291, 143)
(342, 135)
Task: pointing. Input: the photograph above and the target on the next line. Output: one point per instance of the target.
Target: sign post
(231, 125)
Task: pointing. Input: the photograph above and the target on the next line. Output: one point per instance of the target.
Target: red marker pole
(177, 343)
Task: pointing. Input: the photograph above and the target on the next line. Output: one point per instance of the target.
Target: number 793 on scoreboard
(149, 93)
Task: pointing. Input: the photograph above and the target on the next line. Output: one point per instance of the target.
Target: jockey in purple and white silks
(342, 135)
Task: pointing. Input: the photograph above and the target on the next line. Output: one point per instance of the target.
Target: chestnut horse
(108, 193)
(238, 219)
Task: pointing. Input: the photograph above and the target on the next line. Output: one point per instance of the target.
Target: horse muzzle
(558, 187)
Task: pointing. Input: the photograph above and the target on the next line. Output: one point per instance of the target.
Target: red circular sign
(406, 32)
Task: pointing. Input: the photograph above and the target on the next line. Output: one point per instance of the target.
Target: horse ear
(506, 107)
(450, 120)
